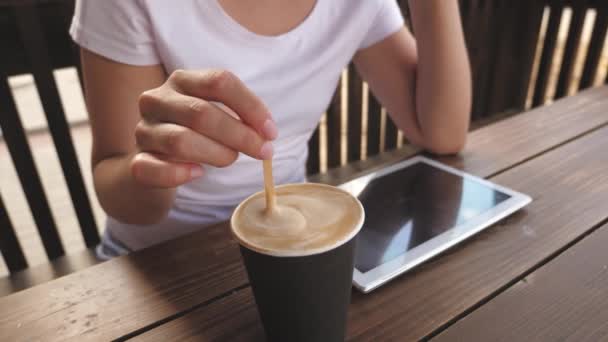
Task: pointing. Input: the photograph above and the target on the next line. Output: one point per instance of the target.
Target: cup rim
(309, 252)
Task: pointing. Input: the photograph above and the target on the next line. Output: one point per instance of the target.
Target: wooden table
(541, 274)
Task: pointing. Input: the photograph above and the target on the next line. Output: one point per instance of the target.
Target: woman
(186, 96)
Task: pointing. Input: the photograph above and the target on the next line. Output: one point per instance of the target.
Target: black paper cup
(303, 297)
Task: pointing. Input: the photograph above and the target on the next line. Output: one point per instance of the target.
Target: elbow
(443, 147)
(153, 213)
(447, 139)
(149, 218)
(123, 207)
(125, 200)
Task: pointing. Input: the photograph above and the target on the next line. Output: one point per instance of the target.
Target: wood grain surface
(131, 295)
(215, 323)
(565, 300)
(419, 304)
(44, 272)
(570, 190)
(502, 145)
(115, 298)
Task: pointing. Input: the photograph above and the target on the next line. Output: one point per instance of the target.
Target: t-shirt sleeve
(116, 29)
(387, 21)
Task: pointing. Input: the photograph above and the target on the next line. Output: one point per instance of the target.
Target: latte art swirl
(308, 218)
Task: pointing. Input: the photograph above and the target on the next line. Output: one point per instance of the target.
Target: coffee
(299, 259)
(309, 218)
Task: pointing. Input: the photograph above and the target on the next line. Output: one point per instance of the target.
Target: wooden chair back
(33, 53)
(512, 47)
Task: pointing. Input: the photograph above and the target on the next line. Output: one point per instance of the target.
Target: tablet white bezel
(383, 273)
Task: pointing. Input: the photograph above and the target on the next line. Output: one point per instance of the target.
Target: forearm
(126, 200)
(443, 81)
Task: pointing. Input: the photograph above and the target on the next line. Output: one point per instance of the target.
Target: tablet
(417, 209)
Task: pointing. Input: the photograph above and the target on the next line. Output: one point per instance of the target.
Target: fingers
(180, 143)
(151, 170)
(223, 86)
(206, 119)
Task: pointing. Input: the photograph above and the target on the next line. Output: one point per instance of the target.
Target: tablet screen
(405, 208)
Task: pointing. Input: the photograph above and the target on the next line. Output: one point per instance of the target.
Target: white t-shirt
(294, 73)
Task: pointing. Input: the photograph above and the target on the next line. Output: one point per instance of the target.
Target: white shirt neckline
(224, 19)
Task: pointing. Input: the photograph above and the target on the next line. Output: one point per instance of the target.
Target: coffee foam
(309, 219)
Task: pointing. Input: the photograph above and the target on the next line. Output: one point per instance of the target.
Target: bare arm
(151, 133)
(112, 90)
(425, 82)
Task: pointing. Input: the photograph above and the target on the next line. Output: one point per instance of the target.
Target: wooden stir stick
(271, 200)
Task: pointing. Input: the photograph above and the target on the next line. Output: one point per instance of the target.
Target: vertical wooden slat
(355, 98)
(374, 116)
(546, 59)
(390, 137)
(390, 131)
(78, 65)
(37, 51)
(67, 10)
(596, 46)
(482, 45)
(535, 21)
(404, 140)
(470, 18)
(20, 152)
(9, 244)
(500, 27)
(579, 10)
(313, 163)
(470, 14)
(334, 127)
(405, 11)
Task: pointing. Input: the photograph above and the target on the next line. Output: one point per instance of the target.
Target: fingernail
(269, 129)
(195, 172)
(266, 150)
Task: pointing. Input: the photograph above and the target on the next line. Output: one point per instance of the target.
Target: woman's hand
(182, 127)
(147, 142)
